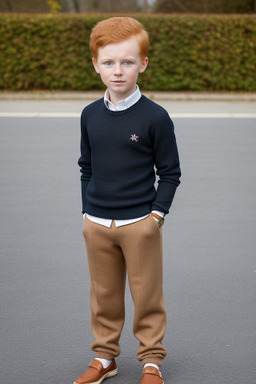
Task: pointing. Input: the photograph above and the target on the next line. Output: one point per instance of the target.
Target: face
(119, 65)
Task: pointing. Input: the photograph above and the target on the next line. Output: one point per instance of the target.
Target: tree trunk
(9, 5)
(76, 5)
(145, 6)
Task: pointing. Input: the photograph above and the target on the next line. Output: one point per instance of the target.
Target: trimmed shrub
(187, 52)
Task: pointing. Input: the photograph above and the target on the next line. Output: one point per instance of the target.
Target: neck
(115, 99)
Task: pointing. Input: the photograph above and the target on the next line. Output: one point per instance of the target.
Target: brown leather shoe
(151, 375)
(96, 373)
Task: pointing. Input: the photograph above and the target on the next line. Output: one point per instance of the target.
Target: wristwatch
(159, 218)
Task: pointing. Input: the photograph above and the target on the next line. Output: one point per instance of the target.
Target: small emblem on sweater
(134, 137)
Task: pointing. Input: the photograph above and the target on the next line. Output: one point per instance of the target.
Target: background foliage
(166, 6)
(188, 52)
(205, 6)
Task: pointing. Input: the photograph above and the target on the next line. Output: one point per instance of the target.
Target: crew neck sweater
(119, 150)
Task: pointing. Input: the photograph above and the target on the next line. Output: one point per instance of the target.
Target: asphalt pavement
(209, 246)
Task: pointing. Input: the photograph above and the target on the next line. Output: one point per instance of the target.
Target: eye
(127, 63)
(108, 63)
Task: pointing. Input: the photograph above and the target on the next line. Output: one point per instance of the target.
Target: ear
(94, 61)
(144, 65)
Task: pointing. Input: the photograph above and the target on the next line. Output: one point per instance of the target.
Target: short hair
(117, 29)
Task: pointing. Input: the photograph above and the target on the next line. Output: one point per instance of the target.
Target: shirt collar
(123, 104)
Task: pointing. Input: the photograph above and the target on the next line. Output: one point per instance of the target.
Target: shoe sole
(109, 374)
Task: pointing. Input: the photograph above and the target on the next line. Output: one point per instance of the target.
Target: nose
(118, 70)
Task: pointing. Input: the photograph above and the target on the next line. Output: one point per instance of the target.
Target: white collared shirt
(121, 106)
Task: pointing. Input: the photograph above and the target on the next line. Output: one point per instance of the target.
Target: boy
(123, 137)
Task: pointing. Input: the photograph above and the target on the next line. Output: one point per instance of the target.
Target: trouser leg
(107, 273)
(142, 248)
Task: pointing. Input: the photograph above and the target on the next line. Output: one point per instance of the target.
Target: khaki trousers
(137, 250)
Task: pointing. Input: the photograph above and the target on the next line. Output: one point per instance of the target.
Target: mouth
(118, 81)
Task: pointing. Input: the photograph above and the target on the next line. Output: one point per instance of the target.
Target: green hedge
(191, 52)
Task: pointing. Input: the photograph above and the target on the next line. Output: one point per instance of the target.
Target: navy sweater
(119, 154)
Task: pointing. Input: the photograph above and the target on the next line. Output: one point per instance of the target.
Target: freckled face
(119, 65)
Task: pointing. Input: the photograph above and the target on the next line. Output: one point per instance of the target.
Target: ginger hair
(117, 29)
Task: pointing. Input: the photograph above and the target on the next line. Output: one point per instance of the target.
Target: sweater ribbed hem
(118, 213)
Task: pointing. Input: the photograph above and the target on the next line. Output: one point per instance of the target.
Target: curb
(154, 95)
